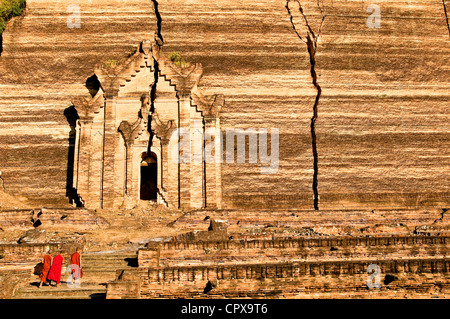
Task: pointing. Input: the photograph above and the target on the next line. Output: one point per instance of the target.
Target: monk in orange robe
(75, 263)
(55, 270)
(47, 263)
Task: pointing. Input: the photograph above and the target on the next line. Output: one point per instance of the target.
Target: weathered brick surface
(202, 235)
(383, 119)
(297, 268)
(11, 280)
(382, 134)
(123, 290)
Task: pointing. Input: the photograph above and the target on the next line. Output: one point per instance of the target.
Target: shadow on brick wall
(71, 115)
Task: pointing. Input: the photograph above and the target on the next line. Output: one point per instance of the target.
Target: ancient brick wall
(413, 266)
(382, 131)
(10, 280)
(44, 65)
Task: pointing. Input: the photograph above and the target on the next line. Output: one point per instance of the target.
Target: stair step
(112, 258)
(98, 269)
(86, 291)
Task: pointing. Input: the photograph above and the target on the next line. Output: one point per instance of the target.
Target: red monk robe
(55, 271)
(46, 267)
(75, 259)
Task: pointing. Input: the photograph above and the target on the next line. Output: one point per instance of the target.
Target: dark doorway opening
(149, 177)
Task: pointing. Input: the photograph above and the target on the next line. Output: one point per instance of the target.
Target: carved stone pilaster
(163, 131)
(210, 106)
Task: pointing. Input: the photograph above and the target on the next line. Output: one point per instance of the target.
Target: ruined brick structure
(365, 186)
(127, 147)
(299, 268)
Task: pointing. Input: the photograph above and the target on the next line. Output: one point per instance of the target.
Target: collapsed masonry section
(127, 145)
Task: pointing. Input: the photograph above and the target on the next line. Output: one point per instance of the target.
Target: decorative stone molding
(86, 109)
(184, 79)
(139, 105)
(209, 105)
(163, 131)
(131, 132)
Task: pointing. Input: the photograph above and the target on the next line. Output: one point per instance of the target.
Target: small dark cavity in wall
(37, 223)
(210, 285)
(132, 262)
(389, 278)
(93, 85)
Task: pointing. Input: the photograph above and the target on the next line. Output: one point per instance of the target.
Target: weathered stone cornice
(86, 109)
(111, 78)
(183, 78)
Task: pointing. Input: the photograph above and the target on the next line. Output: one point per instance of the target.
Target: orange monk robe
(46, 268)
(55, 271)
(75, 259)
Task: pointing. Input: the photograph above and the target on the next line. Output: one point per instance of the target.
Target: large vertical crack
(312, 53)
(310, 39)
(446, 16)
(158, 20)
(155, 83)
(159, 41)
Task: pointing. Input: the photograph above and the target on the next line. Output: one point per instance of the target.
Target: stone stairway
(98, 269)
